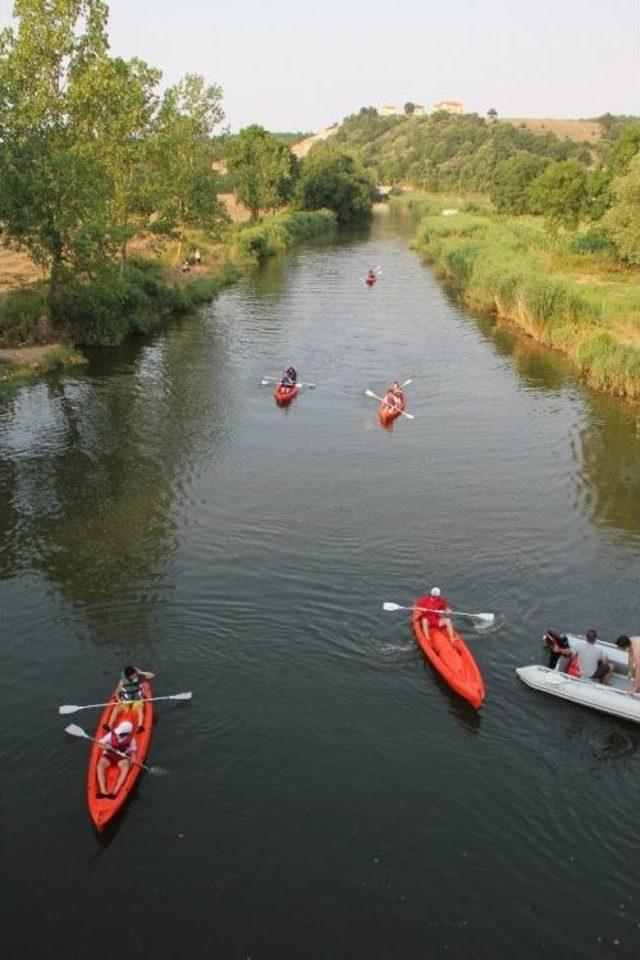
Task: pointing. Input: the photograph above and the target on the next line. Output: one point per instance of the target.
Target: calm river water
(325, 795)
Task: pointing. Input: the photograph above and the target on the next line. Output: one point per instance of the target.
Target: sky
(300, 66)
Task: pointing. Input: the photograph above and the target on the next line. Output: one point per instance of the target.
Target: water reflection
(93, 468)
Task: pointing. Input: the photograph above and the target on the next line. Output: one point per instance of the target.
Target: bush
(20, 311)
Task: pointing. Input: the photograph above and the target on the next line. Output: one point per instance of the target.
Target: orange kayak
(104, 809)
(370, 281)
(453, 661)
(388, 414)
(285, 395)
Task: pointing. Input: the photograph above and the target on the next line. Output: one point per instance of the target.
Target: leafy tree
(624, 149)
(511, 182)
(492, 113)
(622, 219)
(409, 108)
(560, 193)
(262, 169)
(183, 188)
(334, 178)
(52, 192)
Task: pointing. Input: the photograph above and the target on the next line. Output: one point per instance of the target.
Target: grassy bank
(20, 365)
(564, 290)
(150, 290)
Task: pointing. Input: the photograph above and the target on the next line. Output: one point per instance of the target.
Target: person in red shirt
(434, 606)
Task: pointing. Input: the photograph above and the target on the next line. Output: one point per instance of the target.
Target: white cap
(124, 727)
(435, 591)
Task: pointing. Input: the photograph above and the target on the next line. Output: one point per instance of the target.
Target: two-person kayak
(103, 808)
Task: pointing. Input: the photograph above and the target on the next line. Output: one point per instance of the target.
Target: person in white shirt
(590, 659)
(119, 748)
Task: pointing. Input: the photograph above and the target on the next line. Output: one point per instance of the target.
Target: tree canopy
(261, 168)
(332, 177)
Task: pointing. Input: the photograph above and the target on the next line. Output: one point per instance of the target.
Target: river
(325, 795)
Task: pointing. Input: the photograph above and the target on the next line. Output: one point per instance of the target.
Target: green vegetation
(279, 232)
(333, 178)
(583, 303)
(96, 161)
(444, 151)
(261, 169)
(59, 357)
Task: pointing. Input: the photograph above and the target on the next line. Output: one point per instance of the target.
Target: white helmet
(124, 728)
(436, 591)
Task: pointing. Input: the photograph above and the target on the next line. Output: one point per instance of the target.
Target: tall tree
(185, 186)
(52, 194)
(261, 168)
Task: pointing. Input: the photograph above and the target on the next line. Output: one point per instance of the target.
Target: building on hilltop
(449, 106)
(388, 110)
(419, 110)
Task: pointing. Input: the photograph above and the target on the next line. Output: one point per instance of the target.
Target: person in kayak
(116, 742)
(398, 392)
(632, 646)
(433, 606)
(391, 398)
(130, 696)
(289, 378)
(589, 660)
(371, 276)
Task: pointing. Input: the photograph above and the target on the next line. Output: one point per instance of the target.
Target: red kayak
(104, 809)
(370, 281)
(285, 395)
(453, 661)
(388, 414)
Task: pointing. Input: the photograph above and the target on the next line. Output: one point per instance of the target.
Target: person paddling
(289, 378)
(371, 276)
(398, 392)
(632, 646)
(115, 743)
(130, 696)
(433, 606)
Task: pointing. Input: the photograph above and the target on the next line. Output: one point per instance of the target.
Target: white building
(449, 106)
(388, 110)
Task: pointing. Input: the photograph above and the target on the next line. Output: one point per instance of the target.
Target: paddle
(484, 617)
(301, 383)
(76, 731)
(375, 396)
(72, 708)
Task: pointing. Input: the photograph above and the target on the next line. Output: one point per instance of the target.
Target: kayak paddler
(434, 605)
(130, 696)
(392, 398)
(289, 378)
(121, 740)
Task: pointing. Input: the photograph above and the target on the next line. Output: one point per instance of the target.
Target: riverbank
(564, 290)
(150, 290)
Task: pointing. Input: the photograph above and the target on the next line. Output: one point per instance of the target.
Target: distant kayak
(453, 661)
(104, 809)
(388, 414)
(285, 395)
(370, 281)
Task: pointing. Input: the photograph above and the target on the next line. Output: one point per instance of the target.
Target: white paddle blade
(370, 393)
(182, 696)
(391, 607)
(409, 416)
(486, 617)
(407, 382)
(74, 730)
(68, 708)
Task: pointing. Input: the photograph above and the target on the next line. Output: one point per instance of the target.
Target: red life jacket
(573, 668)
(432, 608)
(115, 743)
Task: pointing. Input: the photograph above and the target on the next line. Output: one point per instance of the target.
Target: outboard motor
(554, 637)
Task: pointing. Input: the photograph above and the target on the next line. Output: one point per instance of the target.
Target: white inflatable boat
(611, 698)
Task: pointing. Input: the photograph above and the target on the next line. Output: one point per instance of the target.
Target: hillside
(581, 131)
